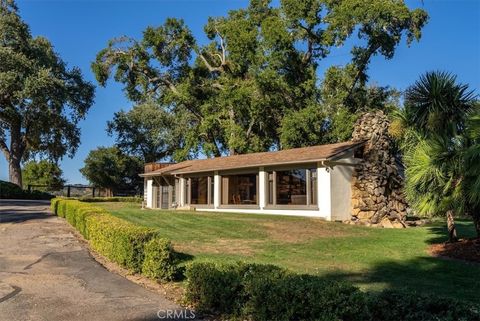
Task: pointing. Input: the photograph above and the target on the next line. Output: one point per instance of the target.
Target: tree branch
(4, 148)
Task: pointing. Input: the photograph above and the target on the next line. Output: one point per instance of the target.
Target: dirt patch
(467, 250)
(221, 246)
(301, 231)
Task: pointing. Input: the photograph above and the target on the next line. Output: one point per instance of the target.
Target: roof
(287, 156)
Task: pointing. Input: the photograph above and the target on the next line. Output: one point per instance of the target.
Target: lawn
(372, 258)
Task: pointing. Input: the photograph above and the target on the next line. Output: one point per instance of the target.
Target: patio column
(324, 191)
(262, 188)
(216, 189)
(150, 193)
(183, 198)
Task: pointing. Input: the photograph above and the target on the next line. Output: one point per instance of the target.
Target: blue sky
(79, 29)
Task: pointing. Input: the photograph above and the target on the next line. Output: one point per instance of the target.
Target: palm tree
(431, 129)
(471, 157)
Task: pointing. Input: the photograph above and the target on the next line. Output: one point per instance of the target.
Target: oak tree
(41, 99)
(258, 69)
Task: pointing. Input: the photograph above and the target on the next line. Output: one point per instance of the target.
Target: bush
(160, 260)
(13, 191)
(399, 305)
(267, 292)
(213, 287)
(304, 297)
(126, 199)
(119, 240)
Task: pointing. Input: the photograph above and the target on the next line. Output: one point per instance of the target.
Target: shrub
(399, 305)
(212, 287)
(160, 260)
(13, 191)
(117, 239)
(304, 297)
(267, 292)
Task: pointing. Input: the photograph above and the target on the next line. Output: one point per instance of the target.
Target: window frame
(240, 172)
(210, 190)
(268, 179)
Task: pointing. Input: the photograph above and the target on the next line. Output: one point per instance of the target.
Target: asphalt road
(46, 274)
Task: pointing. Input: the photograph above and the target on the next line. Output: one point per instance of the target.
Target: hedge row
(13, 191)
(266, 292)
(139, 249)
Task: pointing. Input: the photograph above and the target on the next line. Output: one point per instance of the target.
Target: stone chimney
(377, 183)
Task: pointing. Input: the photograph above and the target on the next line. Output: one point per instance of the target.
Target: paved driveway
(47, 274)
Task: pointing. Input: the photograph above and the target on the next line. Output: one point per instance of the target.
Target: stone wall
(377, 197)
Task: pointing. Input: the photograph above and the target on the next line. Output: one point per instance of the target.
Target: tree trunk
(14, 171)
(476, 220)
(15, 154)
(452, 230)
(231, 149)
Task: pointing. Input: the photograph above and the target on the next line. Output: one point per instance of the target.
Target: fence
(79, 190)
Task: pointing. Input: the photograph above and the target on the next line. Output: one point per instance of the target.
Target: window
(240, 189)
(271, 182)
(199, 190)
(313, 186)
(212, 189)
(292, 187)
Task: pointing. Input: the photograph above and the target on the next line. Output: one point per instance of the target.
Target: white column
(324, 192)
(262, 188)
(217, 189)
(150, 195)
(182, 197)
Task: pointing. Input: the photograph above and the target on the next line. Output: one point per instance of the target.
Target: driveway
(47, 274)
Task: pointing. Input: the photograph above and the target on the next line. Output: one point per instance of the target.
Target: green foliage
(255, 83)
(43, 172)
(118, 240)
(433, 135)
(108, 167)
(42, 100)
(266, 292)
(138, 249)
(407, 306)
(13, 191)
(147, 131)
(436, 103)
(160, 260)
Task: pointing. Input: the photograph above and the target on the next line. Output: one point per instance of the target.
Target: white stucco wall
(324, 192)
(150, 195)
(341, 192)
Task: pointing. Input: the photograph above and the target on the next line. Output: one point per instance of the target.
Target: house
(311, 181)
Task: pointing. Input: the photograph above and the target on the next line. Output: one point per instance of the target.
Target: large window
(199, 190)
(292, 187)
(240, 189)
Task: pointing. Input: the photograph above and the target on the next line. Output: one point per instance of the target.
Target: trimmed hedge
(12, 191)
(406, 306)
(127, 244)
(266, 292)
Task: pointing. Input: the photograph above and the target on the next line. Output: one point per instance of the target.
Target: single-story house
(311, 181)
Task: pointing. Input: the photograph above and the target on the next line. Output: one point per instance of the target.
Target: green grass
(372, 258)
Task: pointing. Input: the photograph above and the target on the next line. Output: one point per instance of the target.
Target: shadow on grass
(429, 275)
(439, 231)
(182, 261)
